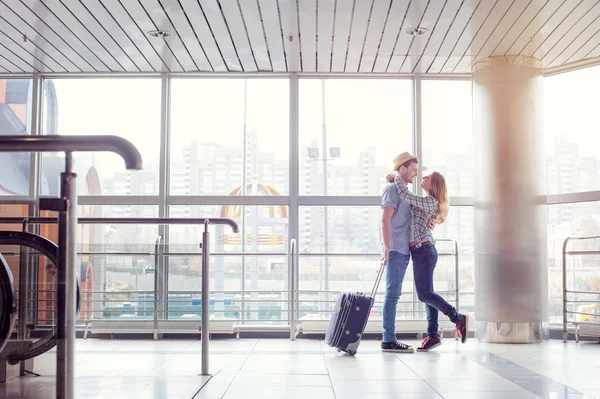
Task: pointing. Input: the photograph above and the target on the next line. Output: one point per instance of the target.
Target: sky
(359, 114)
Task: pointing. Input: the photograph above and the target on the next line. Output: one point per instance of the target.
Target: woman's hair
(440, 193)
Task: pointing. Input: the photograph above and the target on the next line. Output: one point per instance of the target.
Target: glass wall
(15, 119)
(129, 108)
(227, 145)
(350, 130)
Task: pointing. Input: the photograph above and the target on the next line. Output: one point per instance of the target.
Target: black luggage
(349, 318)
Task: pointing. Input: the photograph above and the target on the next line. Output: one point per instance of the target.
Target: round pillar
(511, 272)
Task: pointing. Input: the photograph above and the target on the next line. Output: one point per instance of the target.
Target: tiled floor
(278, 368)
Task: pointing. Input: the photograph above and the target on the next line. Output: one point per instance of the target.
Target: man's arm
(386, 231)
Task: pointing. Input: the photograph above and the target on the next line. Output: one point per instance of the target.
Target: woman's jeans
(424, 260)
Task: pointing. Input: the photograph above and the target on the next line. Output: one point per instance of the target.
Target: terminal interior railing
(288, 303)
(581, 308)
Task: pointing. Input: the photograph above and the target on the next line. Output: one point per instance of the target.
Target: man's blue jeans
(424, 260)
(394, 276)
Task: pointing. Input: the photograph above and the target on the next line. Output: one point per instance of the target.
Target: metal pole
(66, 309)
(457, 275)
(291, 289)
(325, 218)
(205, 298)
(564, 276)
(156, 276)
(23, 303)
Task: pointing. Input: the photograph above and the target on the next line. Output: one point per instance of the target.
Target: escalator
(8, 299)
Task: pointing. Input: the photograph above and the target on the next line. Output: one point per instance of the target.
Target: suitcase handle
(378, 280)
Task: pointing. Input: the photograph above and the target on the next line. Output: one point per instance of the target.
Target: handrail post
(564, 277)
(156, 275)
(205, 298)
(67, 280)
(291, 293)
(457, 274)
(23, 304)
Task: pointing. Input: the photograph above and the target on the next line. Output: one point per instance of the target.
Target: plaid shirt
(423, 209)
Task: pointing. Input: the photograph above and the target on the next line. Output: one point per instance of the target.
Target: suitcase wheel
(351, 352)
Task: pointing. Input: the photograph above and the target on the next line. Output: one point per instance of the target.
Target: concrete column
(511, 270)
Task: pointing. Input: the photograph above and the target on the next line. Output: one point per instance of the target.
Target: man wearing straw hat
(395, 231)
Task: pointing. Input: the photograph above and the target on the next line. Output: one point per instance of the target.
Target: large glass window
(572, 125)
(448, 134)
(15, 119)
(350, 130)
(129, 108)
(228, 134)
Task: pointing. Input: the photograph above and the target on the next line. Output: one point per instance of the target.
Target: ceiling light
(159, 33)
(415, 31)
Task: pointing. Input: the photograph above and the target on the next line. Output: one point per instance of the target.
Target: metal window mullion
(294, 187)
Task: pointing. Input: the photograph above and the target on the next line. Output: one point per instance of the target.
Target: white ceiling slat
(256, 35)
(390, 34)
(325, 19)
(465, 65)
(341, 34)
(307, 15)
(36, 44)
(459, 25)
(545, 14)
(584, 50)
(430, 20)
(13, 63)
(414, 15)
(9, 47)
(289, 26)
(104, 18)
(379, 17)
(139, 38)
(220, 61)
(510, 20)
(360, 23)
(144, 24)
(50, 30)
(189, 39)
(98, 31)
(2, 69)
(476, 24)
(449, 13)
(272, 26)
(580, 32)
(218, 28)
(513, 33)
(79, 31)
(547, 39)
(489, 27)
(161, 21)
(232, 19)
(13, 40)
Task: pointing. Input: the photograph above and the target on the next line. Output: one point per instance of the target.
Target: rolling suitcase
(349, 318)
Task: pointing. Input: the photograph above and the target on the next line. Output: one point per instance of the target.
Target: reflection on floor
(279, 368)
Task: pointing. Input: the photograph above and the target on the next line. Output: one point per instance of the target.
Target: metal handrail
(564, 276)
(66, 205)
(77, 143)
(94, 220)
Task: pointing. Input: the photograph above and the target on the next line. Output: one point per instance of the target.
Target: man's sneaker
(396, 346)
(429, 343)
(462, 328)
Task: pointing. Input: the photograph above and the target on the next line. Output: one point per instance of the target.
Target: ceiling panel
(325, 18)
(391, 32)
(325, 36)
(432, 14)
(307, 17)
